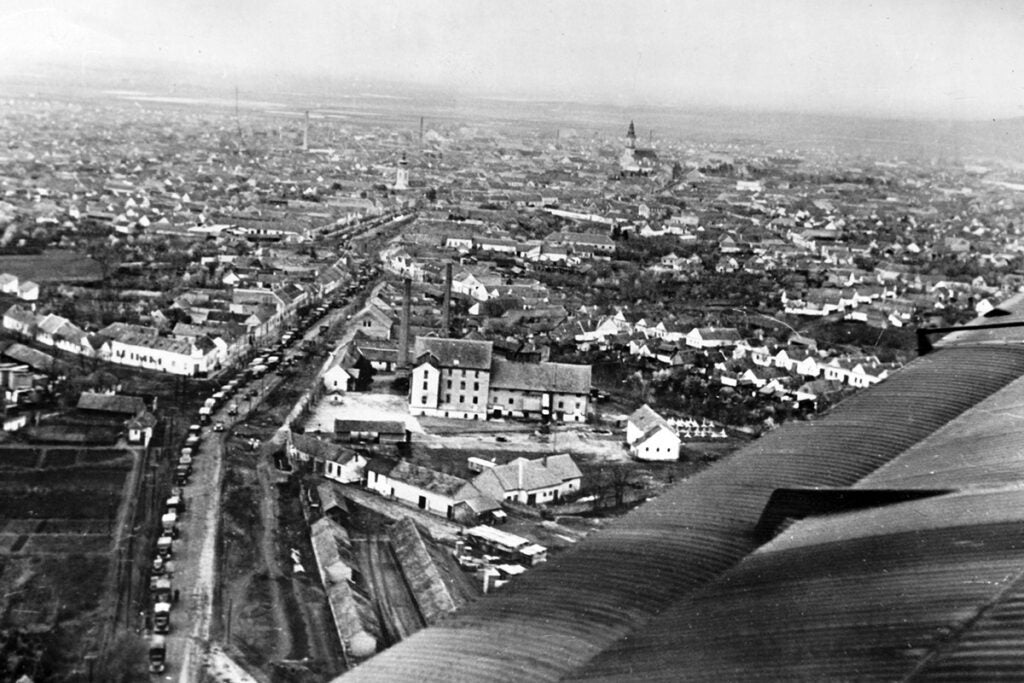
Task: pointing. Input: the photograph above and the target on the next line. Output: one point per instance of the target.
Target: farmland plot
(59, 512)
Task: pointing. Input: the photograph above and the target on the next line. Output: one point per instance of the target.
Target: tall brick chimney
(403, 334)
(446, 307)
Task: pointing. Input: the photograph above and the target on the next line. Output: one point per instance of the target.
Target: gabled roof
(563, 466)
(556, 377)
(431, 480)
(646, 419)
(519, 475)
(377, 426)
(146, 420)
(111, 403)
(319, 448)
(52, 322)
(455, 353)
(16, 312)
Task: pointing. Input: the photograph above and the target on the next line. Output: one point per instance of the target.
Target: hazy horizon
(939, 59)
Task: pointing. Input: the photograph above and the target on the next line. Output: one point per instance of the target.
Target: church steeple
(402, 174)
(631, 137)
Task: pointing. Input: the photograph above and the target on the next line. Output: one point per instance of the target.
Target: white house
(140, 428)
(421, 487)
(8, 283)
(650, 437)
(28, 291)
(531, 482)
(19, 320)
(712, 337)
(340, 378)
(333, 460)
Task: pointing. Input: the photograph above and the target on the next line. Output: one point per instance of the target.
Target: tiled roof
(111, 403)
(645, 419)
(427, 479)
(455, 353)
(556, 377)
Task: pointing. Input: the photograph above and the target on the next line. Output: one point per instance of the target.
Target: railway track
(399, 615)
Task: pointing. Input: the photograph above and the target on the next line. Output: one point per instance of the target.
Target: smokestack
(305, 134)
(403, 334)
(446, 308)
(421, 130)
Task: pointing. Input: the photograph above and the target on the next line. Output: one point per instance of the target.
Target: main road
(195, 550)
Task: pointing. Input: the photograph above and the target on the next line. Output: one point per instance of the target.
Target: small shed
(140, 428)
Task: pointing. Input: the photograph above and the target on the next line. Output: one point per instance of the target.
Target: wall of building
(385, 486)
(662, 445)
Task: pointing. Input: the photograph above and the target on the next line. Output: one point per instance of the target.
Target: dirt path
(282, 646)
(196, 570)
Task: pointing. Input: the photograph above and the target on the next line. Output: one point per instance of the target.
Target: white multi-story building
(459, 378)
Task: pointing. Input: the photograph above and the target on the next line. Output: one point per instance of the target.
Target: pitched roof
(36, 359)
(319, 448)
(146, 420)
(451, 353)
(428, 479)
(111, 403)
(563, 466)
(557, 377)
(645, 419)
(16, 312)
(519, 475)
(378, 426)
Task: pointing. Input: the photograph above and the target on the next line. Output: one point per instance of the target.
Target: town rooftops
(562, 378)
(455, 353)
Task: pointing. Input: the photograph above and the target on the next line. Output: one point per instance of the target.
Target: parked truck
(160, 588)
(181, 474)
(175, 504)
(204, 414)
(162, 617)
(164, 547)
(157, 654)
(169, 524)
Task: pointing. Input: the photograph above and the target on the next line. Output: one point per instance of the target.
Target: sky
(901, 58)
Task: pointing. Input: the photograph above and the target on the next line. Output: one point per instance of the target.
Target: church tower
(627, 162)
(402, 174)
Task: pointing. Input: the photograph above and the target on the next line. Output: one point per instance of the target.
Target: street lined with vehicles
(186, 550)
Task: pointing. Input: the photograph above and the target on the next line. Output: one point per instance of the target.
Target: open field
(52, 266)
(59, 515)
